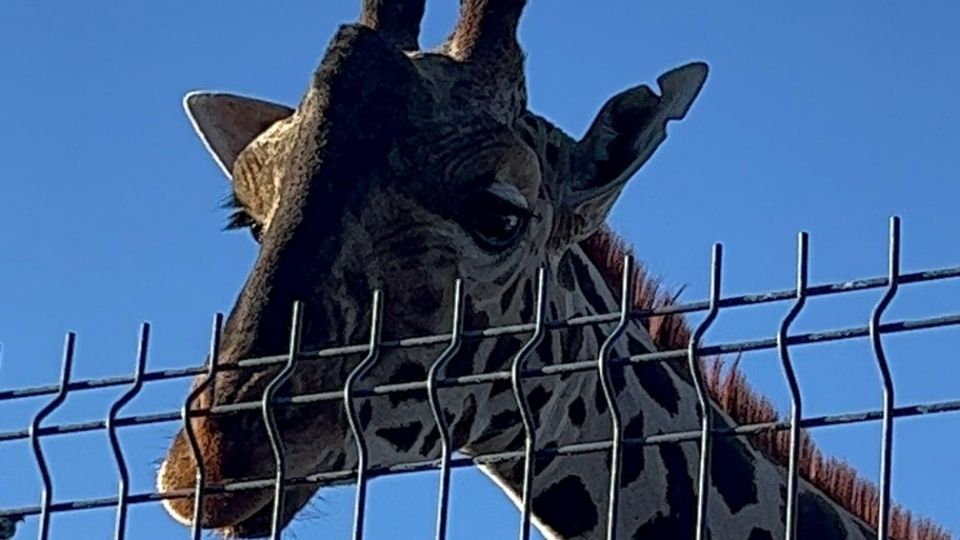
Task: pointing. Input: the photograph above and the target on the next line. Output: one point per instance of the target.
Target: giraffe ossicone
(404, 170)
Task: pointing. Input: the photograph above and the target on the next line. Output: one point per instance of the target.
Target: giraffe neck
(657, 496)
(658, 482)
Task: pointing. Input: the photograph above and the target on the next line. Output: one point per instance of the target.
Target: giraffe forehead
(479, 158)
(456, 144)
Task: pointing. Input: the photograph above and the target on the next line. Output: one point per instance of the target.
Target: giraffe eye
(256, 230)
(495, 223)
(240, 218)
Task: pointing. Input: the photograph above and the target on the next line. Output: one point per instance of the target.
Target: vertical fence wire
(353, 416)
(886, 452)
(199, 489)
(526, 415)
(610, 394)
(46, 495)
(796, 400)
(124, 488)
(700, 384)
(433, 395)
(270, 420)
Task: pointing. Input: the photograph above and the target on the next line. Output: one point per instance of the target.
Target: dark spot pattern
(635, 345)
(634, 427)
(461, 364)
(552, 152)
(499, 387)
(760, 534)
(460, 431)
(531, 121)
(544, 457)
(633, 458)
(518, 441)
(339, 462)
(475, 318)
(599, 336)
(663, 527)
(401, 437)
(507, 299)
(553, 311)
(655, 379)
(617, 377)
(430, 442)
(587, 286)
(528, 138)
(599, 400)
(572, 342)
(505, 420)
(656, 382)
(514, 473)
(567, 507)
(408, 372)
(817, 519)
(577, 412)
(783, 499)
(566, 278)
(501, 354)
(545, 349)
(537, 399)
(499, 359)
(527, 303)
(366, 414)
(499, 423)
(732, 469)
(680, 523)
(631, 465)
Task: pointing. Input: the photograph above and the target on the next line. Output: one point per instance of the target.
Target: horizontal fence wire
(517, 373)
(827, 289)
(486, 378)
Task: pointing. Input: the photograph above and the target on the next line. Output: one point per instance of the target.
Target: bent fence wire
(782, 342)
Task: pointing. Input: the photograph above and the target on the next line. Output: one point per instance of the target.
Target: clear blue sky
(827, 117)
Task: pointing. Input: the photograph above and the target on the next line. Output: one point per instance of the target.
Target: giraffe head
(400, 170)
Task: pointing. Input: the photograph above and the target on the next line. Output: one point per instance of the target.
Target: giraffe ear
(626, 132)
(227, 123)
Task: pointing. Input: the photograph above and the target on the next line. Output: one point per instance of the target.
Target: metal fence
(605, 362)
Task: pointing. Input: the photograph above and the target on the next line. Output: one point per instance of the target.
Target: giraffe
(403, 170)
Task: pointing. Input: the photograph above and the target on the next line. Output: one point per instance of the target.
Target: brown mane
(730, 389)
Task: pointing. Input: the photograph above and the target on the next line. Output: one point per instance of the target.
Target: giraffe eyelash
(239, 217)
(523, 211)
(530, 214)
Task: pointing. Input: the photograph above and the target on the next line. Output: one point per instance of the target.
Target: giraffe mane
(745, 405)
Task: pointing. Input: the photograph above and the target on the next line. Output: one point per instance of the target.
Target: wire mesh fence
(606, 360)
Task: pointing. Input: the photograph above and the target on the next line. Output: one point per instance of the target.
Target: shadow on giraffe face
(399, 170)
